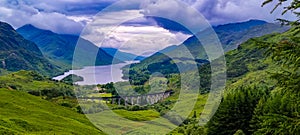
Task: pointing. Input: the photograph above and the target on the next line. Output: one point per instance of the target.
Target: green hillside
(30, 81)
(34, 104)
(17, 53)
(22, 113)
(266, 98)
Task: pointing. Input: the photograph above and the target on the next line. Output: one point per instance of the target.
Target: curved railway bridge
(147, 99)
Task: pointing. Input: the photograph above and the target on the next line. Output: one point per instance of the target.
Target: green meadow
(22, 113)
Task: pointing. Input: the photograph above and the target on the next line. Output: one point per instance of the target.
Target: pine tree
(235, 111)
(279, 113)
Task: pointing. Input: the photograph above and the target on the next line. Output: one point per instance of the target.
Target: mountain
(122, 55)
(60, 47)
(233, 34)
(239, 26)
(17, 53)
(168, 49)
(230, 36)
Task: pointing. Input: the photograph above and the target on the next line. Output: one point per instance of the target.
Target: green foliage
(189, 127)
(138, 77)
(70, 79)
(279, 113)
(109, 88)
(286, 53)
(235, 111)
(92, 107)
(239, 132)
(274, 113)
(36, 84)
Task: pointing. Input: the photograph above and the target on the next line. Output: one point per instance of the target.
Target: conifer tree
(235, 111)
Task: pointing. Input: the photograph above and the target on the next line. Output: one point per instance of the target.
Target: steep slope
(22, 113)
(17, 53)
(60, 48)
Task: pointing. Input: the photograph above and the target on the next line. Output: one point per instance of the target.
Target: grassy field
(100, 95)
(21, 113)
(144, 115)
(144, 121)
(114, 123)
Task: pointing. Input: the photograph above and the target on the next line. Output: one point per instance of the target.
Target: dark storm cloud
(52, 15)
(226, 11)
(70, 16)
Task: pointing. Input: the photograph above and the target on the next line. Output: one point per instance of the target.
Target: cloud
(143, 35)
(139, 36)
(75, 14)
(144, 40)
(63, 16)
(19, 13)
(227, 11)
(175, 11)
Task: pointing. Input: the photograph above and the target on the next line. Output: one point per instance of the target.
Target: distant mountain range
(17, 53)
(233, 34)
(60, 48)
(122, 55)
(230, 36)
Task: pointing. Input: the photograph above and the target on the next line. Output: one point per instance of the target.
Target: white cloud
(116, 17)
(82, 19)
(19, 13)
(56, 22)
(125, 30)
(5, 12)
(140, 40)
(143, 40)
(176, 11)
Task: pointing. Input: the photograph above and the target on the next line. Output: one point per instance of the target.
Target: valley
(53, 83)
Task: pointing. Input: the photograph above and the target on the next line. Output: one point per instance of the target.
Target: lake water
(98, 74)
